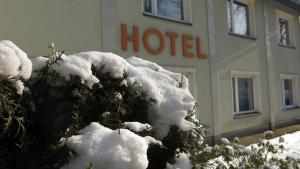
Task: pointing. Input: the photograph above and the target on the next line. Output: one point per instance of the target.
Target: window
(238, 18)
(288, 83)
(170, 9)
(285, 26)
(244, 92)
(283, 31)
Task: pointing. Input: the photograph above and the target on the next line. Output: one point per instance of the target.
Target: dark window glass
(283, 31)
(170, 8)
(237, 16)
(288, 92)
(244, 89)
(148, 6)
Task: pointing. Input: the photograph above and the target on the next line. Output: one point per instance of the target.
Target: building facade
(241, 56)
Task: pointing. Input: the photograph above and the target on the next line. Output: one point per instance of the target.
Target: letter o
(147, 46)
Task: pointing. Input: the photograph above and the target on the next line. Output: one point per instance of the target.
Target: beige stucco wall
(73, 25)
(133, 16)
(236, 53)
(284, 60)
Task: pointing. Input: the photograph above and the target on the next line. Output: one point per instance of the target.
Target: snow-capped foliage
(171, 92)
(151, 140)
(268, 133)
(137, 126)
(181, 162)
(108, 149)
(14, 63)
(169, 89)
(225, 141)
(291, 143)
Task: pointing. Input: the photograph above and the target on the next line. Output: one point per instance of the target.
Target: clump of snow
(230, 149)
(106, 114)
(151, 140)
(236, 140)
(137, 126)
(207, 148)
(281, 139)
(107, 149)
(118, 96)
(70, 66)
(20, 87)
(268, 133)
(181, 162)
(171, 92)
(169, 89)
(14, 63)
(225, 141)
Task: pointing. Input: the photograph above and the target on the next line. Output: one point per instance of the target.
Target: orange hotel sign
(191, 45)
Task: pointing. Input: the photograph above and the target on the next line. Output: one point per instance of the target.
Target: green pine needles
(12, 113)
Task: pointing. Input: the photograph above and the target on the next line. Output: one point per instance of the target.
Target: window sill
(242, 36)
(286, 46)
(167, 19)
(244, 115)
(284, 109)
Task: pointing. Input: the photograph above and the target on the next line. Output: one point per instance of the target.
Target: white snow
(137, 126)
(291, 143)
(19, 87)
(181, 162)
(225, 141)
(14, 63)
(168, 88)
(106, 114)
(151, 140)
(173, 101)
(108, 149)
(96, 144)
(268, 133)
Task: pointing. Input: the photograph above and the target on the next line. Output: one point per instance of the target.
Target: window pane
(283, 31)
(229, 17)
(148, 6)
(245, 89)
(240, 19)
(170, 8)
(234, 99)
(288, 92)
(238, 23)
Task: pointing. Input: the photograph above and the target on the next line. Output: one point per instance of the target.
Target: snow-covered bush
(263, 155)
(100, 111)
(68, 95)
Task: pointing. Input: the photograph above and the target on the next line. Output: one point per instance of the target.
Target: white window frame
(290, 21)
(256, 92)
(294, 79)
(191, 72)
(251, 16)
(186, 7)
